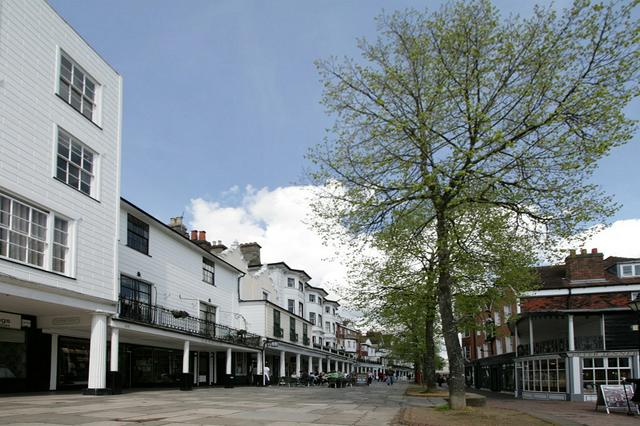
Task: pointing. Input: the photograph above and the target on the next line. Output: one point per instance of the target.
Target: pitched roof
(555, 276)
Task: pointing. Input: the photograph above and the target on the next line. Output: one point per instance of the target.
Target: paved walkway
(360, 405)
(561, 413)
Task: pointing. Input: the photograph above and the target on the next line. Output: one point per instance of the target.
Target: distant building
(560, 342)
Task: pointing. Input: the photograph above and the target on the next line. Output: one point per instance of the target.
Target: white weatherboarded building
(60, 126)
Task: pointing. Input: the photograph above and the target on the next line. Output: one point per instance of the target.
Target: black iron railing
(181, 321)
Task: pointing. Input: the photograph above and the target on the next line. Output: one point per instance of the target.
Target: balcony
(180, 321)
(278, 331)
(306, 341)
(582, 343)
(293, 336)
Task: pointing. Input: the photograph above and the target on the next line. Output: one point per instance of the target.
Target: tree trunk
(449, 329)
(429, 362)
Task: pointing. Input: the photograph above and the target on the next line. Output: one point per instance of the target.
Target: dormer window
(630, 270)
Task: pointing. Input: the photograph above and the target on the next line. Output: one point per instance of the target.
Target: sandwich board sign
(616, 397)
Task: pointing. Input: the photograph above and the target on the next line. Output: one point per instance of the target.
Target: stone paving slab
(273, 406)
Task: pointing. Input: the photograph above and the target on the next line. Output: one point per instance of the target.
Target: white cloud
(277, 220)
(620, 239)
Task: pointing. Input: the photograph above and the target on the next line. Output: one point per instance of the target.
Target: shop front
(22, 344)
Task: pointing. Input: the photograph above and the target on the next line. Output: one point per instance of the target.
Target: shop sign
(10, 320)
(65, 321)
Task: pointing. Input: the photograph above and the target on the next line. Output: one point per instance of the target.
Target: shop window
(544, 375)
(241, 363)
(73, 362)
(13, 354)
(604, 371)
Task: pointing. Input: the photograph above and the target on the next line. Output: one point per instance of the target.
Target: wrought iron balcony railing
(181, 321)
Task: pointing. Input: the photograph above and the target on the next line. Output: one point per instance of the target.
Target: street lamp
(634, 305)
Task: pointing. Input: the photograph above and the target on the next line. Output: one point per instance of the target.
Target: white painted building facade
(176, 297)
(60, 126)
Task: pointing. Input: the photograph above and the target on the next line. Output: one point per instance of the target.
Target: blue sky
(224, 93)
(221, 103)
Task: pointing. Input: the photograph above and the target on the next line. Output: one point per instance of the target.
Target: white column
(211, 367)
(259, 363)
(602, 332)
(575, 377)
(98, 352)
(282, 365)
(228, 367)
(53, 376)
(572, 341)
(185, 357)
(530, 336)
(215, 367)
(115, 342)
(310, 364)
(298, 365)
(196, 369)
(320, 365)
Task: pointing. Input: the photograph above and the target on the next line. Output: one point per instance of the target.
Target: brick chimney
(200, 238)
(217, 247)
(177, 225)
(585, 267)
(251, 253)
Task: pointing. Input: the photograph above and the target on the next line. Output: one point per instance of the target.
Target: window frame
(277, 329)
(82, 93)
(40, 236)
(291, 282)
(141, 224)
(208, 271)
(635, 270)
(86, 155)
(291, 305)
(606, 368)
(293, 336)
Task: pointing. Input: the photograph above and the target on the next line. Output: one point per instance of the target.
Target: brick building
(559, 342)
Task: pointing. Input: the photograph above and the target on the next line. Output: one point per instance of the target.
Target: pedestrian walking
(267, 379)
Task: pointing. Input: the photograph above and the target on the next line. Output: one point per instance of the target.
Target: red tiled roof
(555, 276)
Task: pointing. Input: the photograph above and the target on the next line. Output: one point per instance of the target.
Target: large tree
(460, 111)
